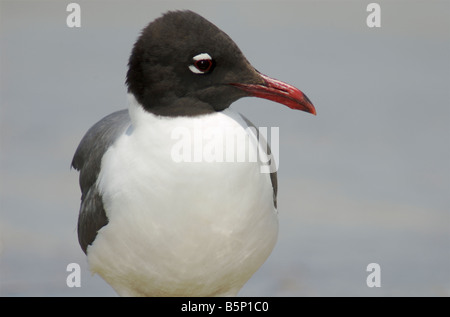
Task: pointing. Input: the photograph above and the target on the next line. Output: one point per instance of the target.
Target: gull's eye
(202, 64)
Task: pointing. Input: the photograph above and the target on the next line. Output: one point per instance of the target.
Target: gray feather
(87, 160)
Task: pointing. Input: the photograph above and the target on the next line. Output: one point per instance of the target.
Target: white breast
(180, 228)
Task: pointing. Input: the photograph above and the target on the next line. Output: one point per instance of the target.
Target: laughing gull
(152, 224)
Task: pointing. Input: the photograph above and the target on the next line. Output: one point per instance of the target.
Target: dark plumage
(161, 82)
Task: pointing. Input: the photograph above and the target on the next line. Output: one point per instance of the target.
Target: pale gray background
(367, 180)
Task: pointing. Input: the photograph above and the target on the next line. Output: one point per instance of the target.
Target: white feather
(180, 228)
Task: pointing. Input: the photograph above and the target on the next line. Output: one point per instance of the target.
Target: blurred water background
(367, 180)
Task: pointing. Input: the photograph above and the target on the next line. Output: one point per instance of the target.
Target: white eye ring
(199, 57)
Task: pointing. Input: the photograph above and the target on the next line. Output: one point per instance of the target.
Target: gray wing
(87, 160)
(273, 176)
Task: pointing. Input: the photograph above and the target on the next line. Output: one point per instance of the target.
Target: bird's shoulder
(94, 144)
(87, 160)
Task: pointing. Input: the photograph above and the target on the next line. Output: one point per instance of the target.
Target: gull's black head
(183, 65)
